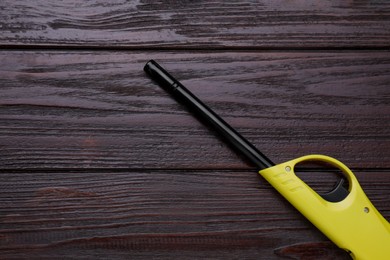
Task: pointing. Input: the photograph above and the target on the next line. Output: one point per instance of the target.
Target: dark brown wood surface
(83, 109)
(98, 162)
(196, 24)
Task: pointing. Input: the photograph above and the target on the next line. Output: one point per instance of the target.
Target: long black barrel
(184, 96)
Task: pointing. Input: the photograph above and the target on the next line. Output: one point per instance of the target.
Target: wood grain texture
(196, 24)
(98, 162)
(165, 214)
(61, 109)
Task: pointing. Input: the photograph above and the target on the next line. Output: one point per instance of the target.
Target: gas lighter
(345, 215)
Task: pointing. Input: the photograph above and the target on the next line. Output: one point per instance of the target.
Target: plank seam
(190, 48)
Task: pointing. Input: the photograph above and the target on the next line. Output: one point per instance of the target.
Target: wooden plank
(164, 213)
(193, 24)
(61, 109)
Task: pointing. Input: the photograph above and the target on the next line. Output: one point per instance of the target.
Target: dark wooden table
(98, 162)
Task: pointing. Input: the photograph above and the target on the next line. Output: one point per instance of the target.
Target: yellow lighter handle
(353, 223)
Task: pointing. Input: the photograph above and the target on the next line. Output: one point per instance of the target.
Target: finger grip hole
(325, 179)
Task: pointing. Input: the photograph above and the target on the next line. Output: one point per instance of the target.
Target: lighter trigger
(337, 194)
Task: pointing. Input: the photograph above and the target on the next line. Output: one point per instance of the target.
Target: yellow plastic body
(353, 224)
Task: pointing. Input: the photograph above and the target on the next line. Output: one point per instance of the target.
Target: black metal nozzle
(184, 96)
